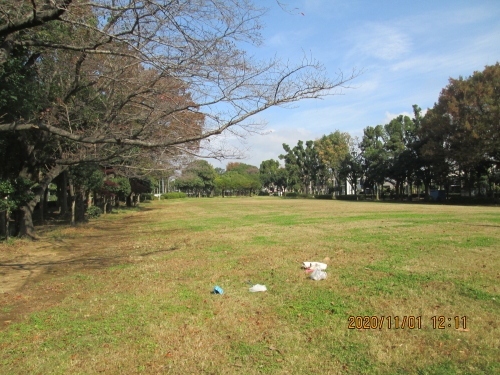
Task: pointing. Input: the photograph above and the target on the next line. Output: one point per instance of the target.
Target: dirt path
(86, 245)
(59, 252)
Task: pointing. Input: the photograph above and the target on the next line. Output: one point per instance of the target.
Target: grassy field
(130, 293)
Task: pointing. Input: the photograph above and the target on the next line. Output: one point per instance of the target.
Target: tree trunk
(130, 199)
(73, 201)
(96, 199)
(26, 227)
(88, 199)
(64, 193)
(427, 186)
(46, 202)
(80, 207)
(73, 211)
(25, 221)
(334, 186)
(5, 224)
(42, 205)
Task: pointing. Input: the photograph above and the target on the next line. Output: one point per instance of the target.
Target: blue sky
(407, 50)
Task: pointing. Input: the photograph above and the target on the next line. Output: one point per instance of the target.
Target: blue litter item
(218, 290)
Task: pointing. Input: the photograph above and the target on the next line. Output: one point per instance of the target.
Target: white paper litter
(315, 265)
(258, 288)
(318, 275)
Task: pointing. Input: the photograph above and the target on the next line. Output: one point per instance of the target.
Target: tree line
(454, 146)
(92, 86)
(99, 95)
(200, 178)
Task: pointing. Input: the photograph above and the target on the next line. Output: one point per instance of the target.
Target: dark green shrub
(93, 212)
(323, 196)
(462, 200)
(298, 196)
(146, 197)
(173, 195)
(348, 197)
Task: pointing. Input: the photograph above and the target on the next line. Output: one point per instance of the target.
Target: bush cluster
(173, 195)
(93, 212)
(457, 199)
(298, 195)
(323, 196)
(349, 197)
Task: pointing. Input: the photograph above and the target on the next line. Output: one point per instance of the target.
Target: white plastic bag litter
(315, 265)
(318, 275)
(258, 288)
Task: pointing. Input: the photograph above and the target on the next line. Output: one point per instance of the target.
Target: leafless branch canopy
(122, 76)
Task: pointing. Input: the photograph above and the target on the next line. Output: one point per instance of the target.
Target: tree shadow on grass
(85, 260)
(21, 293)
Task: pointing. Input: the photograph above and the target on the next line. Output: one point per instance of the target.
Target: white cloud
(277, 40)
(390, 116)
(293, 38)
(324, 8)
(460, 16)
(268, 146)
(365, 87)
(380, 41)
(407, 52)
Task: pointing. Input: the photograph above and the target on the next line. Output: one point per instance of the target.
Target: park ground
(130, 292)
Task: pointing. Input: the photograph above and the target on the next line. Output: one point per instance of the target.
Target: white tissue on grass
(258, 288)
(315, 265)
(318, 275)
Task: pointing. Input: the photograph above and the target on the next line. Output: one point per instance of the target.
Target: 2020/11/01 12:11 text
(405, 322)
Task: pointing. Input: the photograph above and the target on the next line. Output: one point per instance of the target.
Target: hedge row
(349, 197)
(298, 196)
(322, 196)
(173, 195)
(456, 199)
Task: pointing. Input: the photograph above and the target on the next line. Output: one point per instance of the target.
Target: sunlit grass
(152, 310)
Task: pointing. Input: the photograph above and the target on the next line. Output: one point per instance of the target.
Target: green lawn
(139, 298)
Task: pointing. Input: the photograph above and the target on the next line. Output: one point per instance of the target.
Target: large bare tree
(116, 77)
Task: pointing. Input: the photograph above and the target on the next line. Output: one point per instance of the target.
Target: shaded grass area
(156, 314)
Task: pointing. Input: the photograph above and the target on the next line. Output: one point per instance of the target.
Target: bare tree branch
(35, 18)
(151, 74)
